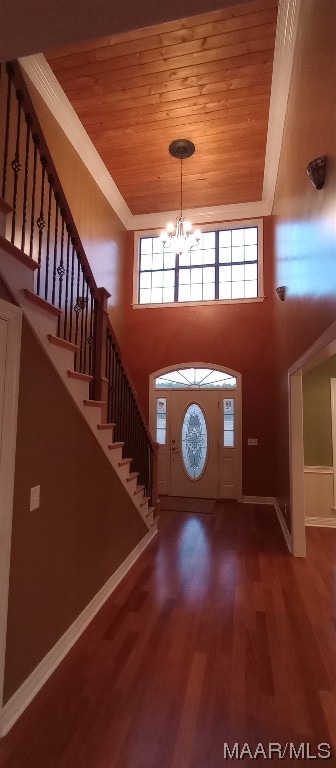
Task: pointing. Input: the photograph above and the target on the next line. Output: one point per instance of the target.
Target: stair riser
(42, 321)
(62, 358)
(92, 414)
(16, 275)
(79, 389)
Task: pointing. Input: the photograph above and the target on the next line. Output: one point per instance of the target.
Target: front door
(199, 436)
(194, 446)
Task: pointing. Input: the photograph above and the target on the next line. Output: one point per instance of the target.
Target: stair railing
(42, 227)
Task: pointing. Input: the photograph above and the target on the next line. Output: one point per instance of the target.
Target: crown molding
(38, 70)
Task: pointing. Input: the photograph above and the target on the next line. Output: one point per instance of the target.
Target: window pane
(146, 261)
(251, 289)
(145, 296)
(184, 277)
(145, 280)
(238, 253)
(196, 257)
(168, 294)
(184, 260)
(146, 245)
(209, 275)
(237, 273)
(237, 237)
(251, 272)
(251, 253)
(225, 238)
(184, 293)
(196, 292)
(251, 235)
(209, 257)
(156, 296)
(238, 290)
(169, 278)
(169, 260)
(157, 261)
(209, 239)
(228, 423)
(161, 436)
(228, 439)
(209, 291)
(225, 255)
(224, 274)
(157, 245)
(196, 275)
(224, 291)
(157, 279)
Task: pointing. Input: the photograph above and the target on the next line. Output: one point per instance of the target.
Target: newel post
(155, 487)
(100, 382)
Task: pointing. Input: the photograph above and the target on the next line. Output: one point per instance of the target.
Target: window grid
(225, 266)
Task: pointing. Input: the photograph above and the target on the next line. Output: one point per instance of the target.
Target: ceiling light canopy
(180, 238)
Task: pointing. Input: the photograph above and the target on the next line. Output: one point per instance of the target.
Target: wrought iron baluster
(46, 281)
(86, 325)
(26, 177)
(32, 218)
(91, 338)
(8, 115)
(15, 164)
(41, 224)
(72, 281)
(53, 292)
(82, 304)
(61, 271)
(77, 310)
(66, 284)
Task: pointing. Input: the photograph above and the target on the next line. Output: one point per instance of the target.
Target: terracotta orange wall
(305, 219)
(239, 336)
(101, 232)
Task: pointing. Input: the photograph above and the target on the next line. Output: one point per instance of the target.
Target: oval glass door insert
(194, 441)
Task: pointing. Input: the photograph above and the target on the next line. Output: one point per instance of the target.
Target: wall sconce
(316, 172)
(281, 292)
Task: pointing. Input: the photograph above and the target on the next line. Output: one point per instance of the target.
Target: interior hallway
(216, 635)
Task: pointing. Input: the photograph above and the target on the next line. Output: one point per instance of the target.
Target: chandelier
(181, 239)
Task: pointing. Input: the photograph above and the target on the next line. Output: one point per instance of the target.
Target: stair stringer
(17, 272)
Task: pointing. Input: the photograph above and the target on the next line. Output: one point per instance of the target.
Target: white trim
(318, 470)
(321, 522)
(272, 501)
(323, 348)
(38, 70)
(239, 224)
(12, 315)
(42, 76)
(286, 32)
(28, 690)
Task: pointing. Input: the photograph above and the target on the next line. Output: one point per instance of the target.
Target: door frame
(12, 315)
(238, 390)
(323, 348)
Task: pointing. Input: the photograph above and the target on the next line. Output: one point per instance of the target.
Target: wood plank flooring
(216, 635)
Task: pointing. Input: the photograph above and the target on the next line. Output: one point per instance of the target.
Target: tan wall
(305, 237)
(317, 435)
(86, 525)
(101, 232)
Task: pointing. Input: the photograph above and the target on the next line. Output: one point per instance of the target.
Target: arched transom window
(196, 377)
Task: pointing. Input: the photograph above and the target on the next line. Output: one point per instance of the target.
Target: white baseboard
(321, 522)
(258, 500)
(274, 503)
(28, 690)
(283, 525)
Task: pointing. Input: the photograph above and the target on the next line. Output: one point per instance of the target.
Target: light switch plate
(34, 497)
(252, 441)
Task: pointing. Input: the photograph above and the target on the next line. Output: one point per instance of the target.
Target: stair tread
(79, 376)
(17, 254)
(138, 489)
(58, 342)
(156, 520)
(92, 403)
(122, 462)
(150, 511)
(132, 476)
(111, 446)
(35, 299)
(106, 425)
(145, 501)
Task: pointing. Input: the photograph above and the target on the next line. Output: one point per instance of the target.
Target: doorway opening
(195, 417)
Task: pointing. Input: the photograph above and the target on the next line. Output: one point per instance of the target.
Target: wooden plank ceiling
(205, 78)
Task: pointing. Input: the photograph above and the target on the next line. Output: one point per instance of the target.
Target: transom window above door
(202, 378)
(227, 266)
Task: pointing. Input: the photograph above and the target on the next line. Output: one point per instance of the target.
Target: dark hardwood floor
(216, 635)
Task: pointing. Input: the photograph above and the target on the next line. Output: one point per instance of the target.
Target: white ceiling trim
(41, 75)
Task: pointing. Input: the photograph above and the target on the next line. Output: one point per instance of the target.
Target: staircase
(43, 264)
